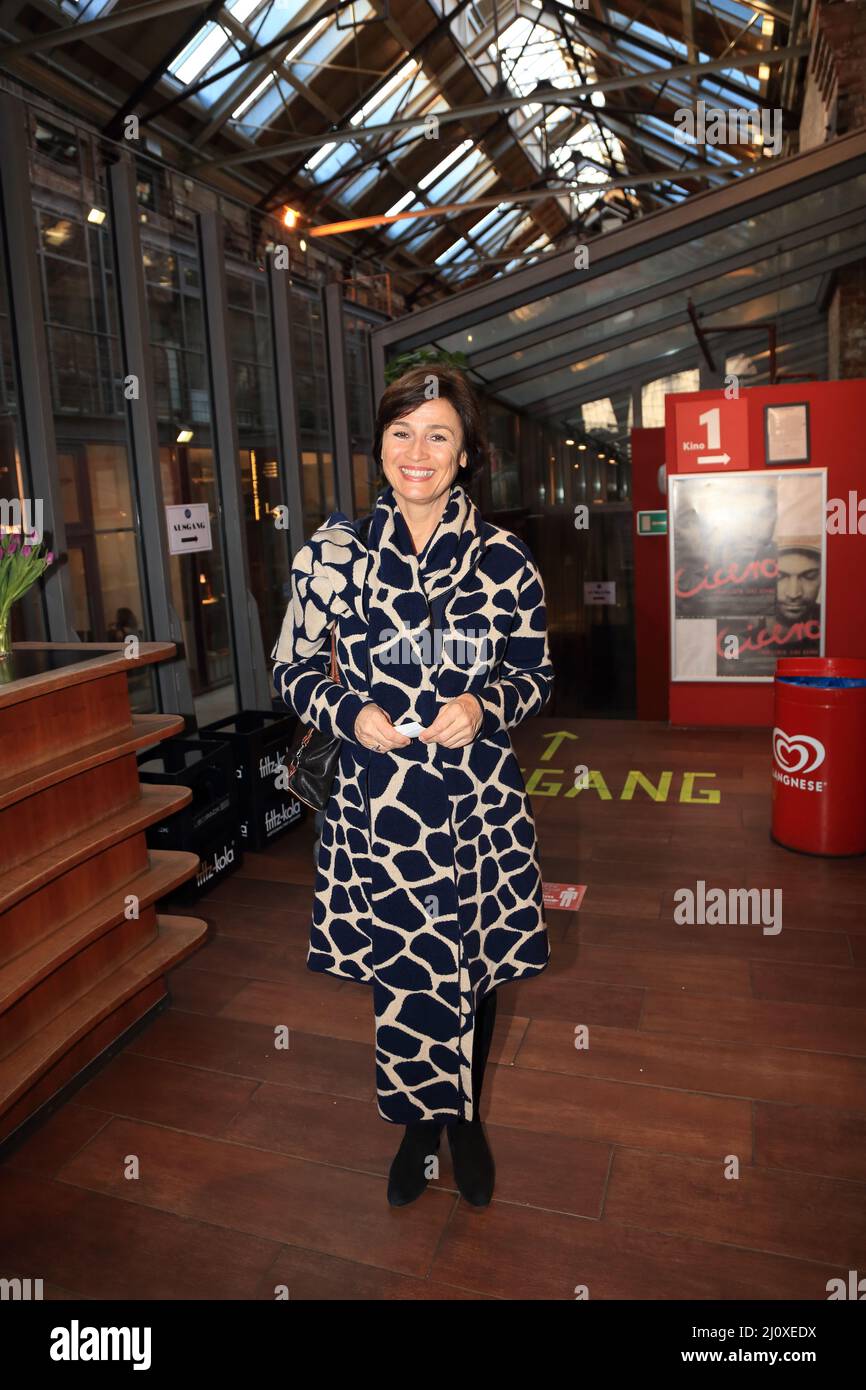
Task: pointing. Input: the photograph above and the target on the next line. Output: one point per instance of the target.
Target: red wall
(837, 424)
(651, 628)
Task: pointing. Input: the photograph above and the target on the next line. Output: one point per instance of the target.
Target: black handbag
(313, 759)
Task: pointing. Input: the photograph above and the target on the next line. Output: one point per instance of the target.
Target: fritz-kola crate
(208, 768)
(220, 855)
(260, 741)
(209, 826)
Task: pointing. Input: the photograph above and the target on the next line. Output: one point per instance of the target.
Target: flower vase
(5, 633)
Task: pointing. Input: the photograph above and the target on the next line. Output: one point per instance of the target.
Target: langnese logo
(796, 755)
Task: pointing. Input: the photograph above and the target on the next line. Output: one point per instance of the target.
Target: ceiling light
(581, 446)
(290, 218)
(97, 216)
(767, 25)
(569, 441)
(401, 204)
(302, 244)
(763, 72)
(184, 436)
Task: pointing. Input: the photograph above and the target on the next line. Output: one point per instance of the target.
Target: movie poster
(747, 571)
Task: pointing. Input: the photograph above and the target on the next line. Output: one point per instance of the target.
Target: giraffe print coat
(427, 882)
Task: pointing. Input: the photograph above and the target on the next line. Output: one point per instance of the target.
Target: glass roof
(749, 272)
(256, 90)
(556, 338)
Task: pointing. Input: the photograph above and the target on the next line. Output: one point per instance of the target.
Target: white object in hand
(411, 730)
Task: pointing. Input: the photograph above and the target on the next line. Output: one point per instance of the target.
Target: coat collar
(452, 551)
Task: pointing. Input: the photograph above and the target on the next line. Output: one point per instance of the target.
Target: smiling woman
(428, 884)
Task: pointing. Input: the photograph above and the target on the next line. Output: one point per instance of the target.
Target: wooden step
(36, 1008)
(44, 912)
(145, 730)
(167, 870)
(155, 803)
(62, 1075)
(177, 938)
(99, 661)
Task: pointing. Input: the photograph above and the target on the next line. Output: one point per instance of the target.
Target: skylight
(209, 41)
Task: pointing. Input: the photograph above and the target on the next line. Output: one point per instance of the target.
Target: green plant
(422, 357)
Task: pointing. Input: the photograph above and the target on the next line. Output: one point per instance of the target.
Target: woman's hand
(456, 724)
(373, 729)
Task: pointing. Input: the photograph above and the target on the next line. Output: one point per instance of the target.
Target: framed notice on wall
(786, 433)
(748, 571)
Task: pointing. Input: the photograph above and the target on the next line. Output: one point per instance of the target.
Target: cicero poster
(747, 571)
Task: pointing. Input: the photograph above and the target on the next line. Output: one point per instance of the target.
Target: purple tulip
(26, 551)
(49, 558)
(13, 546)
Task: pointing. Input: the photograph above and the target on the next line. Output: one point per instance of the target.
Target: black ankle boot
(408, 1179)
(474, 1169)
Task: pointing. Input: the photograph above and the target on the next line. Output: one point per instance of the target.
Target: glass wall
(541, 471)
(653, 395)
(251, 349)
(175, 315)
(366, 480)
(14, 484)
(85, 373)
(318, 485)
(84, 376)
(503, 432)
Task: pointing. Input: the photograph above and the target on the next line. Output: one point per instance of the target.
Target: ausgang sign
(188, 527)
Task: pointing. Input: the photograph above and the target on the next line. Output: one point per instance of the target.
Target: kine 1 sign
(714, 436)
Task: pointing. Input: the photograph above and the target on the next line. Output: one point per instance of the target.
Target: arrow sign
(709, 431)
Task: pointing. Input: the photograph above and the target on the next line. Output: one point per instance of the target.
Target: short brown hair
(413, 388)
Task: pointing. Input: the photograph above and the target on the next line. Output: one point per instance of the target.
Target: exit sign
(652, 523)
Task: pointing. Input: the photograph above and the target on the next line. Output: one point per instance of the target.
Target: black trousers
(485, 1018)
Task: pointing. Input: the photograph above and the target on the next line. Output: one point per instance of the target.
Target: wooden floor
(709, 1046)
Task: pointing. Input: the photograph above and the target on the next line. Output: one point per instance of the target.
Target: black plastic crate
(221, 851)
(207, 767)
(260, 742)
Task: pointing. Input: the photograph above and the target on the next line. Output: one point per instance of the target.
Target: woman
(427, 883)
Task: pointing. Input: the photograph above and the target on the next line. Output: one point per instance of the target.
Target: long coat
(427, 881)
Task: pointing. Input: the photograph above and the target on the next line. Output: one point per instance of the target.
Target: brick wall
(846, 324)
(820, 87)
(842, 23)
